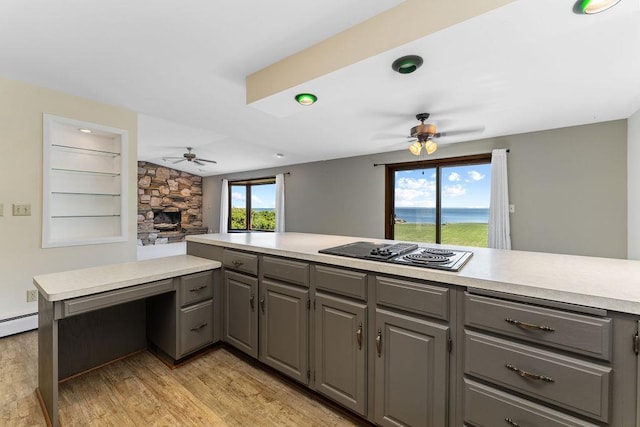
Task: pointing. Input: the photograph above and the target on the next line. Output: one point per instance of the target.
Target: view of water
(449, 215)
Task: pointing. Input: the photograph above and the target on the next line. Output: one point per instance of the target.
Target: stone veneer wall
(161, 189)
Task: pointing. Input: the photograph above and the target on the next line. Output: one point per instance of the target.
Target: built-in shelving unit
(84, 183)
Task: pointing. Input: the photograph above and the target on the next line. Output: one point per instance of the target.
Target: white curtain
(279, 202)
(224, 206)
(499, 228)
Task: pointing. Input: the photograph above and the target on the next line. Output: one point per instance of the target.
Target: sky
(462, 187)
(262, 196)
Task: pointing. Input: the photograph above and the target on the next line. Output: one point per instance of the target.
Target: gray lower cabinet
(340, 351)
(284, 328)
(240, 311)
(411, 371)
(181, 322)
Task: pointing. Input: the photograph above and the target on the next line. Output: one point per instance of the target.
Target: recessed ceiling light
(407, 64)
(306, 98)
(279, 155)
(594, 6)
(85, 130)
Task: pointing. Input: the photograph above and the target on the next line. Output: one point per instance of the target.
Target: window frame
(248, 184)
(438, 164)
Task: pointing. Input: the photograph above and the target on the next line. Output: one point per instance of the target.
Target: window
(252, 205)
(439, 201)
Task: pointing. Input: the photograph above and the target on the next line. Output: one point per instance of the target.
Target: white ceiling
(527, 66)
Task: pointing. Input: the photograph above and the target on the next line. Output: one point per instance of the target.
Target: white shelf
(85, 184)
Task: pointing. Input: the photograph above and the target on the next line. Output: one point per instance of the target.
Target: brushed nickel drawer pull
(359, 336)
(511, 422)
(197, 328)
(199, 288)
(527, 325)
(379, 342)
(529, 375)
(236, 263)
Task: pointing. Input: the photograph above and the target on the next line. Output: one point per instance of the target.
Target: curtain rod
(256, 179)
(385, 164)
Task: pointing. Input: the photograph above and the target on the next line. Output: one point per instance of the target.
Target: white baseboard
(15, 325)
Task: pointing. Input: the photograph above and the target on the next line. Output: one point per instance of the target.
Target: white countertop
(87, 281)
(611, 284)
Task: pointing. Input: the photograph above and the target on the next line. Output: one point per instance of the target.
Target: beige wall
(21, 255)
(633, 185)
(568, 186)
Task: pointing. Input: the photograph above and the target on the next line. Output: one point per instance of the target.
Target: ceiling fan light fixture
(306, 99)
(415, 148)
(594, 6)
(407, 64)
(430, 146)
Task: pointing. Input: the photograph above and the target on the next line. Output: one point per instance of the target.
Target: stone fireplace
(169, 204)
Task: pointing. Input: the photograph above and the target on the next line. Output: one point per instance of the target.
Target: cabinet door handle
(251, 302)
(511, 422)
(379, 342)
(236, 263)
(359, 336)
(197, 328)
(527, 325)
(199, 288)
(529, 375)
(262, 304)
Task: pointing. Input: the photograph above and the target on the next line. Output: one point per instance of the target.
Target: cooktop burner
(404, 253)
(425, 257)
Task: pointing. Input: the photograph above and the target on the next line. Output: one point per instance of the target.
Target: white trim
(19, 324)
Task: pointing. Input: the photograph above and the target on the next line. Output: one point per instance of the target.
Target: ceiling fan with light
(190, 157)
(423, 135)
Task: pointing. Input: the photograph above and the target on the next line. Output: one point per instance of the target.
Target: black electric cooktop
(403, 253)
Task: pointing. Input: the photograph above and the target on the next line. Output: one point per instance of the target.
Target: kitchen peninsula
(513, 338)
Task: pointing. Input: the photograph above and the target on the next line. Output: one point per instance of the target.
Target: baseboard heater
(17, 324)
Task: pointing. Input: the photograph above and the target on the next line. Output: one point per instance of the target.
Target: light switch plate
(22, 209)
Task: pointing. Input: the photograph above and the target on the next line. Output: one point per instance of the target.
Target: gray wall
(569, 187)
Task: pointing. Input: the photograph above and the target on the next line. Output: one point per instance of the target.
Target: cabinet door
(340, 351)
(411, 371)
(284, 328)
(240, 310)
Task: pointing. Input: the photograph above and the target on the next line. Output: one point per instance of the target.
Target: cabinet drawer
(576, 385)
(487, 407)
(340, 281)
(287, 270)
(240, 261)
(196, 329)
(107, 299)
(196, 287)
(413, 296)
(568, 331)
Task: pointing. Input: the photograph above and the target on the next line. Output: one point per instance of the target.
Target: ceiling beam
(409, 21)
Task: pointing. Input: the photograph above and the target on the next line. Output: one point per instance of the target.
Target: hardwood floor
(216, 389)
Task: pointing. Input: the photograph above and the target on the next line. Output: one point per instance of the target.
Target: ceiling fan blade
(460, 131)
(198, 162)
(178, 161)
(208, 161)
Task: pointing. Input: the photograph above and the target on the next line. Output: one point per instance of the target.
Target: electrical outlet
(22, 209)
(32, 295)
